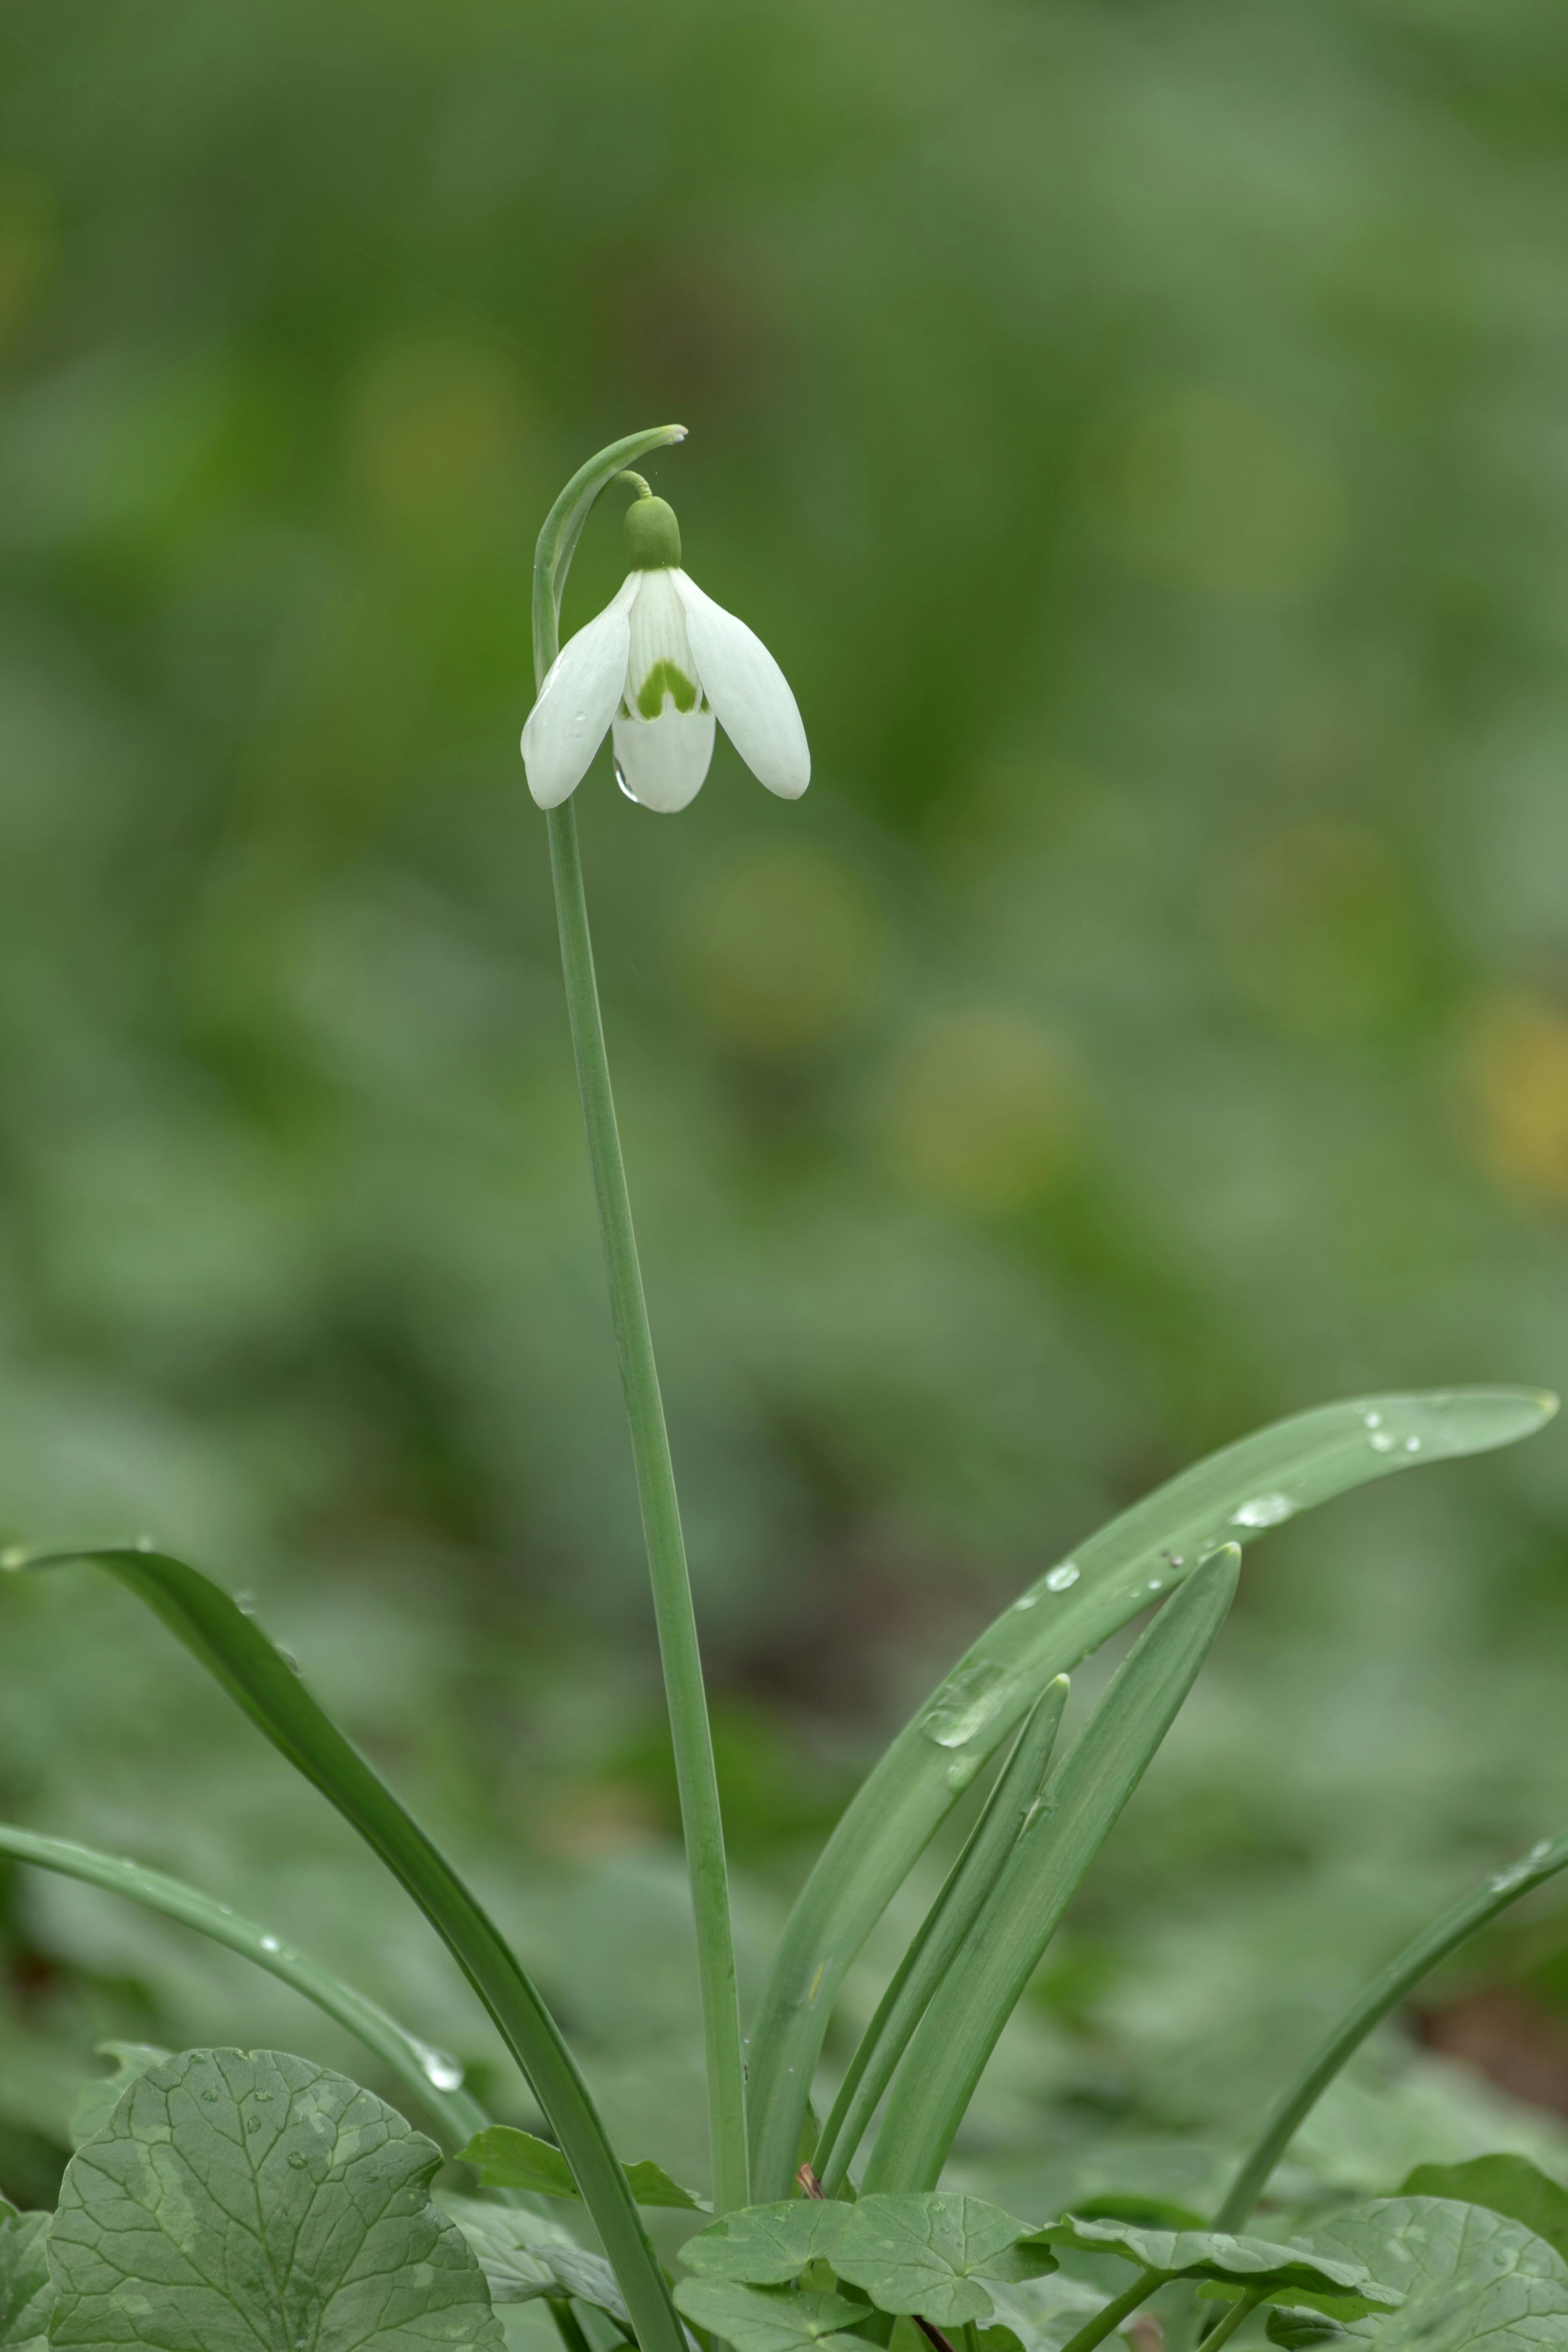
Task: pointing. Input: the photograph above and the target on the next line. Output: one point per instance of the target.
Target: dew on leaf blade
(1061, 1579)
(1263, 1511)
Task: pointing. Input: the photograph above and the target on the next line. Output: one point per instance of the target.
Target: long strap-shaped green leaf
(238, 1655)
(938, 1936)
(983, 1987)
(1062, 1618)
(432, 2078)
(1385, 1993)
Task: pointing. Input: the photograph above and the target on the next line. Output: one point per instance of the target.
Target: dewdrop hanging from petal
(656, 668)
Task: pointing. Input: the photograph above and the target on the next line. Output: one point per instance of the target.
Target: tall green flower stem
(673, 1611)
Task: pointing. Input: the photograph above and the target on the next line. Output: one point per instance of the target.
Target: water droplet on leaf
(1263, 1511)
(1061, 1579)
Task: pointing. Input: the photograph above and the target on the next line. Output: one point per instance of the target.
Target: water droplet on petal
(1263, 1511)
(621, 780)
(1061, 1579)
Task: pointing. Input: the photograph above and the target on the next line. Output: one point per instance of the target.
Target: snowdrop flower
(657, 667)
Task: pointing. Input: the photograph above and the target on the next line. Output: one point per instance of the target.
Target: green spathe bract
(253, 2197)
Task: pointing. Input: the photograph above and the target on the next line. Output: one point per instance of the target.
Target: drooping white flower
(656, 668)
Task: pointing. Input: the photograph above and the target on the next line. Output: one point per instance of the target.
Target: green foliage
(928, 2254)
(509, 2158)
(770, 2319)
(524, 2256)
(97, 2100)
(1247, 2263)
(255, 2196)
(767, 2245)
(1298, 2329)
(1467, 2276)
(1503, 2184)
(26, 2292)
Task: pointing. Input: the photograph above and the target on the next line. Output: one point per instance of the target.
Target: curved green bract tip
(563, 527)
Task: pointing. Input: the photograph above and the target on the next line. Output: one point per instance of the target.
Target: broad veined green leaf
(237, 2199)
(1234, 1495)
(1247, 2263)
(435, 2079)
(765, 2245)
(237, 1654)
(96, 2101)
(928, 2253)
(771, 2318)
(509, 2158)
(942, 1931)
(26, 2292)
(1045, 2313)
(1503, 2184)
(1467, 2275)
(523, 2256)
(986, 1981)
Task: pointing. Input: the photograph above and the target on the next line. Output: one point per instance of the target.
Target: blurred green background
(1137, 425)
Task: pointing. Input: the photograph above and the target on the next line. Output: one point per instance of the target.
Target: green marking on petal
(664, 678)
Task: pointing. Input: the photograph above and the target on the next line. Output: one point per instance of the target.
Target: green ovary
(665, 678)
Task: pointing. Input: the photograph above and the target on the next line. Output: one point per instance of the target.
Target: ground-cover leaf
(26, 2292)
(771, 2318)
(1503, 2184)
(1247, 2262)
(509, 2158)
(949, 2051)
(239, 2198)
(1063, 1616)
(522, 2255)
(433, 2077)
(928, 2253)
(939, 1937)
(766, 2245)
(266, 1686)
(1044, 2314)
(97, 2100)
(1467, 2273)
(1298, 2330)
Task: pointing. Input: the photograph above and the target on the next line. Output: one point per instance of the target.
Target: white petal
(578, 700)
(660, 653)
(660, 763)
(748, 691)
